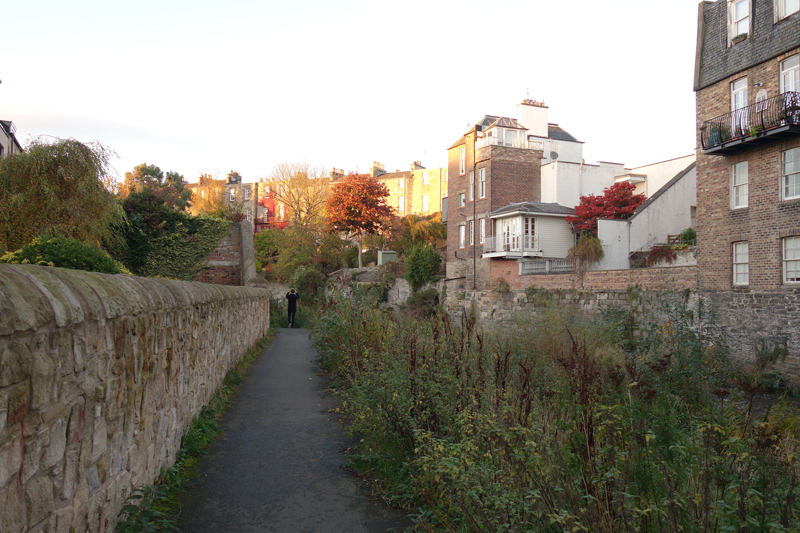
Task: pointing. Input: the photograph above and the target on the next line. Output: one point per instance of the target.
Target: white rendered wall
(669, 214)
(615, 237)
(568, 151)
(564, 183)
(555, 236)
(534, 118)
(658, 174)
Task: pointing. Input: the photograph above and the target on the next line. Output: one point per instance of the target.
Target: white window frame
(472, 233)
(738, 24)
(781, 11)
(790, 174)
(462, 165)
(425, 204)
(249, 215)
(739, 185)
(461, 236)
(741, 263)
(739, 105)
(401, 184)
(471, 196)
(482, 231)
(401, 204)
(446, 175)
(790, 74)
(790, 247)
(426, 177)
(281, 212)
(246, 193)
(482, 183)
(232, 195)
(461, 200)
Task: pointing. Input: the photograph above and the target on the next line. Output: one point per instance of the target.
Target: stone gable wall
(99, 378)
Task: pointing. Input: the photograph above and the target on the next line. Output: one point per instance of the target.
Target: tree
(207, 197)
(168, 187)
(57, 187)
(421, 229)
(617, 202)
(357, 206)
(303, 189)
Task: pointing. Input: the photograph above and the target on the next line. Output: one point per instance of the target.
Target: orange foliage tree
(357, 206)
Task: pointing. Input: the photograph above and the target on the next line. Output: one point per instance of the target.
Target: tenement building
(747, 83)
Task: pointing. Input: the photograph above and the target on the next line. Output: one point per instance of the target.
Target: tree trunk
(360, 238)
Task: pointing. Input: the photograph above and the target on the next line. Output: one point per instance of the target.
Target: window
(249, 215)
(471, 185)
(739, 185)
(280, 212)
(790, 74)
(740, 18)
(482, 234)
(482, 183)
(446, 175)
(739, 105)
(425, 178)
(472, 233)
(401, 183)
(787, 7)
(741, 267)
(461, 236)
(462, 165)
(791, 259)
(247, 194)
(461, 199)
(424, 202)
(790, 175)
(232, 195)
(401, 204)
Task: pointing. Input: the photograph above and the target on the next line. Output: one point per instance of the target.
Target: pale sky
(208, 87)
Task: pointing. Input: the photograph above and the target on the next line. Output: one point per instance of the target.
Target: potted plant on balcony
(755, 130)
(739, 38)
(718, 134)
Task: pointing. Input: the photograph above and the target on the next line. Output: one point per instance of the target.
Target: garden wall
(99, 377)
(233, 261)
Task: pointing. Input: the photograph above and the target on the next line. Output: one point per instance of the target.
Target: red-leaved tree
(357, 206)
(617, 202)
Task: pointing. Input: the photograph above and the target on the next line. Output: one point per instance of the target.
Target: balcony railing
(495, 141)
(752, 124)
(512, 245)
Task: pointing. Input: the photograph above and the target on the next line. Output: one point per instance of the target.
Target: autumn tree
(303, 189)
(207, 197)
(57, 187)
(169, 187)
(617, 202)
(357, 206)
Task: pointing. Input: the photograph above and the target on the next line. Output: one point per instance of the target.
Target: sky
(200, 87)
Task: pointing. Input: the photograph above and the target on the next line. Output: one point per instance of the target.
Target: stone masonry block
(12, 519)
(10, 458)
(39, 500)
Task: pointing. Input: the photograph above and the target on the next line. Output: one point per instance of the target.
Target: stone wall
(99, 377)
(233, 261)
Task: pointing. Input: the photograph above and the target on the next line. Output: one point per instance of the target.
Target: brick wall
(767, 218)
(100, 376)
(225, 262)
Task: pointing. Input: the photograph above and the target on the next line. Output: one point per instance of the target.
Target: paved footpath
(278, 466)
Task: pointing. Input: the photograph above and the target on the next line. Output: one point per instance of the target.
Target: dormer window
(784, 8)
(739, 17)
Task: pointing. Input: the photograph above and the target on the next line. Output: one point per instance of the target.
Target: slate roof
(533, 208)
(554, 131)
(662, 190)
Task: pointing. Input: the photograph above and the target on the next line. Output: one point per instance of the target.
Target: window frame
(246, 193)
(401, 204)
(461, 199)
(795, 260)
(231, 195)
(401, 184)
(741, 258)
(734, 23)
(795, 152)
(780, 10)
(482, 183)
(461, 235)
(425, 203)
(471, 196)
(462, 163)
(472, 233)
(426, 177)
(482, 231)
(735, 187)
(788, 71)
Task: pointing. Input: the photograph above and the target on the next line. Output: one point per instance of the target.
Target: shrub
(65, 252)
(423, 264)
(423, 304)
(587, 250)
(307, 281)
(689, 237)
(659, 253)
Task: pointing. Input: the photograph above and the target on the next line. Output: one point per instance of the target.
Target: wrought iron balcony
(761, 122)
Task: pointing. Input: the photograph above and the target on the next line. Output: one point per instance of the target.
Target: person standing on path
(292, 296)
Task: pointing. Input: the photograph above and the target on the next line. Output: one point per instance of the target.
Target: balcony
(755, 124)
(495, 141)
(512, 246)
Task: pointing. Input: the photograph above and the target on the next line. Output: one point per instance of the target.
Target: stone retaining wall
(99, 377)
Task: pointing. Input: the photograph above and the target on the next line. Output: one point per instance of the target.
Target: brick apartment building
(747, 83)
(491, 166)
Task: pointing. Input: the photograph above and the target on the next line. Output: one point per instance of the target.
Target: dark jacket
(292, 297)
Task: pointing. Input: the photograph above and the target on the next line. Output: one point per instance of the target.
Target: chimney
(533, 115)
(416, 165)
(376, 169)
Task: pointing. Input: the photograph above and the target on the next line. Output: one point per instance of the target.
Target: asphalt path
(278, 466)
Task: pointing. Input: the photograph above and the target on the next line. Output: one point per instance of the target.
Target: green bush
(65, 253)
(307, 281)
(423, 304)
(689, 237)
(423, 264)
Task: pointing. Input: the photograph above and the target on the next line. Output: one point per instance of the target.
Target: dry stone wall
(99, 377)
